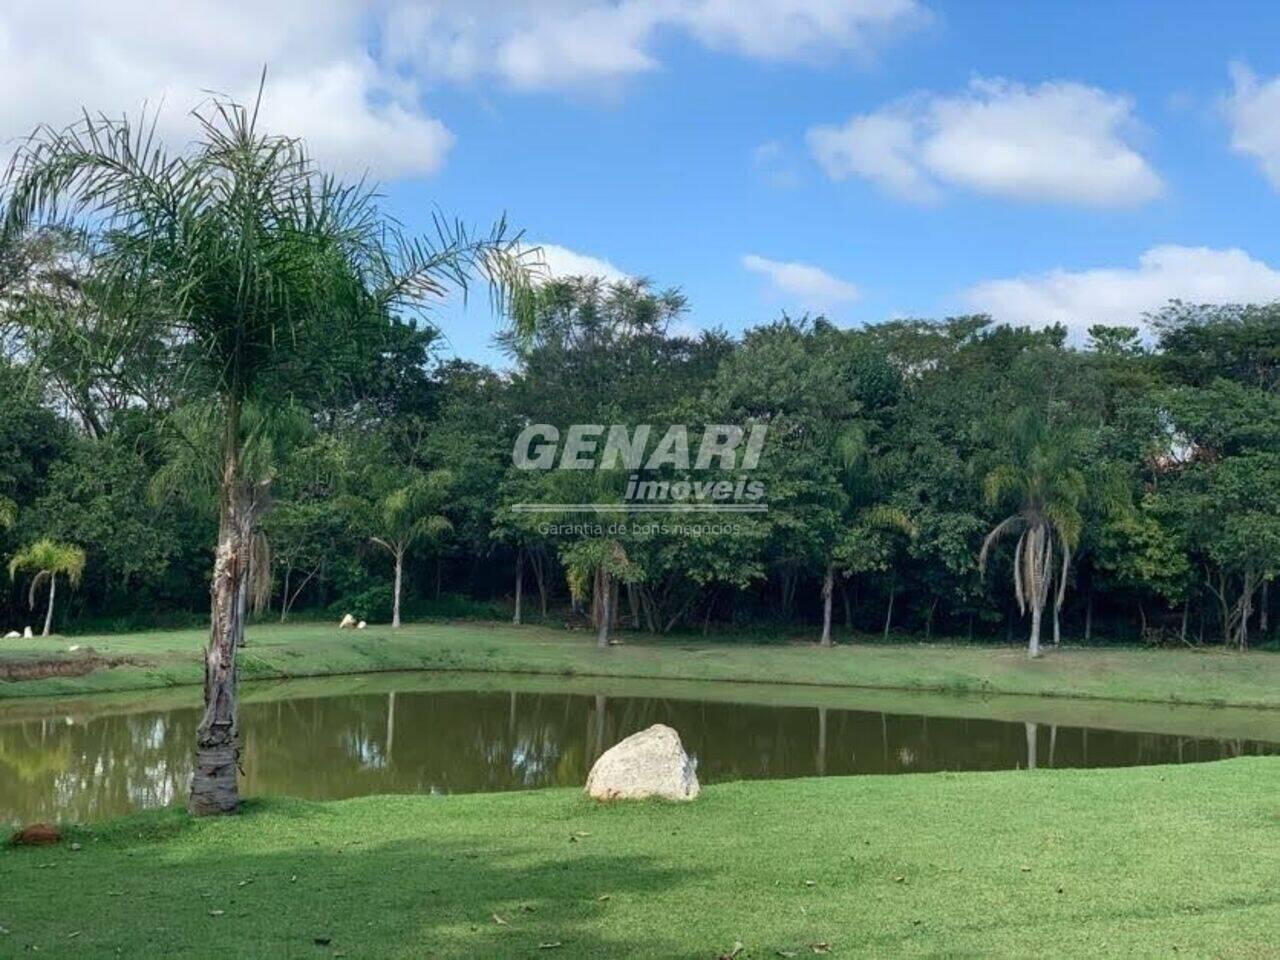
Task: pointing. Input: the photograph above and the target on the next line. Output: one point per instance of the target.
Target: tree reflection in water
(415, 741)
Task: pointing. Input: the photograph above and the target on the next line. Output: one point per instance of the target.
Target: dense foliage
(1126, 488)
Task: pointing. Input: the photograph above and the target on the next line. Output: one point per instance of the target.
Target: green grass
(171, 658)
(1139, 862)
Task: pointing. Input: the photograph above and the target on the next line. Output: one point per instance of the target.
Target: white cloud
(1252, 110)
(348, 75)
(793, 29)
(808, 285)
(563, 262)
(1058, 141)
(579, 43)
(881, 147)
(323, 85)
(1078, 299)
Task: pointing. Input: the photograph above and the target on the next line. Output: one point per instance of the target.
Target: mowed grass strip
(171, 658)
(1142, 862)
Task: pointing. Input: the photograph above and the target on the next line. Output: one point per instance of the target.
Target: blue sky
(862, 158)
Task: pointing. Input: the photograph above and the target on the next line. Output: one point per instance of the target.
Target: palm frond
(999, 482)
(1005, 526)
(49, 557)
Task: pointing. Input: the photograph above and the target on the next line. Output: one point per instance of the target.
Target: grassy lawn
(1138, 862)
(171, 658)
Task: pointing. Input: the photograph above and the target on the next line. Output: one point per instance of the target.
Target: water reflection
(451, 741)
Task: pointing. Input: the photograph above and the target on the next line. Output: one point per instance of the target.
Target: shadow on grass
(165, 885)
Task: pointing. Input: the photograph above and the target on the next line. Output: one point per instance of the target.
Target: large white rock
(348, 623)
(12, 634)
(28, 633)
(651, 763)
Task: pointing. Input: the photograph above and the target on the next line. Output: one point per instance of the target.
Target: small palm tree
(48, 559)
(1047, 492)
(8, 513)
(407, 515)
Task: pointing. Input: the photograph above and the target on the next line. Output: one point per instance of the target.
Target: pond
(91, 758)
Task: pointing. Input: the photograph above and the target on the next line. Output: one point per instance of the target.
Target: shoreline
(163, 659)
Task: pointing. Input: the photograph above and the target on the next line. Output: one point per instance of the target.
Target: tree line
(954, 478)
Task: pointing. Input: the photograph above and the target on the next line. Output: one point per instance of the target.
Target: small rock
(651, 763)
(76, 846)
(361, 625)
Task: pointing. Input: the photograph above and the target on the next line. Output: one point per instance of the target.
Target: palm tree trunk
(633, 601)
(888, 616)
(604, 611)
(213, 784)
(539, 577)
(395, 596)
(828, 582)
(48, 616)
(519, 584)
(1037, 610)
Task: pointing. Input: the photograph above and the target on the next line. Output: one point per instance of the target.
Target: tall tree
(260, 275)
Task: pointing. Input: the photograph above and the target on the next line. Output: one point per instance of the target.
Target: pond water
(97, 757)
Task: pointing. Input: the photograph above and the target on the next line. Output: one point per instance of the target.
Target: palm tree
(1047, 491)
(407, 515)
(595, 567)
(48, 559)
(8, 513)
(259, 275)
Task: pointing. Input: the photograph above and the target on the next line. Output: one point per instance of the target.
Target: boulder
(27, 633)
(12, 634)
(36, 835)
(651, 763)
(348, 623)
(361, 625)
